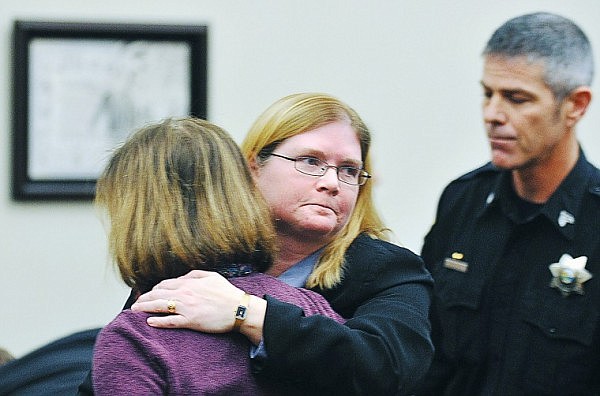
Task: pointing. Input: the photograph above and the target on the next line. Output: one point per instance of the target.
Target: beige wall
(410, 68)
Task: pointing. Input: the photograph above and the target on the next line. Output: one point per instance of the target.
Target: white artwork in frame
(80, 89)
(87, 96)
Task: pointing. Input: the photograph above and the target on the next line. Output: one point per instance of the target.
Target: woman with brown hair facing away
(179, 196)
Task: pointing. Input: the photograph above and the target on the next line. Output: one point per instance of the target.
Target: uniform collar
(561, 209)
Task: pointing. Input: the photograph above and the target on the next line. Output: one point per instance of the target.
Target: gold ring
(171, 307)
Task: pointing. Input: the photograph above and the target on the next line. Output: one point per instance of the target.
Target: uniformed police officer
(515, 248)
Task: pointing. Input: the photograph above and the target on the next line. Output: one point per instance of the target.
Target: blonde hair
(298, 113)
(179, 196)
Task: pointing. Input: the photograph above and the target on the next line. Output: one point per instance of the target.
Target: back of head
(179, 196)
(302, 112)
(557, 42)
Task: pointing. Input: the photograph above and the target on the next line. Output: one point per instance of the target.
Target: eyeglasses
(315, 167)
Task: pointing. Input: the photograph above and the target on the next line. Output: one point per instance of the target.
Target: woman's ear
(577, 104)
(253, 165)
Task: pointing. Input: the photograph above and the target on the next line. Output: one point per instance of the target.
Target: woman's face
(311, 207)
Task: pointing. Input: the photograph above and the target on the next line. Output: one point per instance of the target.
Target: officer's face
(525, 125)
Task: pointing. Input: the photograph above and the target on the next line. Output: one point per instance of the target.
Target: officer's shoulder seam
(486, 170)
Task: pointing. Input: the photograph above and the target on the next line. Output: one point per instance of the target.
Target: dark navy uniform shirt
(499, 327)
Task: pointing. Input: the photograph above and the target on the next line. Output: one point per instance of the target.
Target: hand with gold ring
(171, 306)
(203, 301)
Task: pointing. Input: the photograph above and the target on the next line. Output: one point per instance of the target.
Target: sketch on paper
(87, 96)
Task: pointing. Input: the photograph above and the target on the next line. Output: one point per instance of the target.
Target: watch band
(241, 311)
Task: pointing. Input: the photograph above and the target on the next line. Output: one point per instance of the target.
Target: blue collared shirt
(296, 276)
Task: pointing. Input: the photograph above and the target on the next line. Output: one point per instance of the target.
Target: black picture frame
(79, 88)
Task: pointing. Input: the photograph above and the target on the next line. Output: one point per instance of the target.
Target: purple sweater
(132, 358)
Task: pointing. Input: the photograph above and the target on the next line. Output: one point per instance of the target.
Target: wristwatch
(241, 312)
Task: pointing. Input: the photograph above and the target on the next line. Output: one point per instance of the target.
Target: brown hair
(179, 196)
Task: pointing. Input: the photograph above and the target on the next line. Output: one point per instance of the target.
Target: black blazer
(383, 349)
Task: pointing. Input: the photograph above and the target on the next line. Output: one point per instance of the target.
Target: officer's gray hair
(557, 42)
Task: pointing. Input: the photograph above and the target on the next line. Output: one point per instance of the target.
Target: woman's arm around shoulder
(383, 349)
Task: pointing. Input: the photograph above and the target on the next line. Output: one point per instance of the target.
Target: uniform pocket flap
(566, 322)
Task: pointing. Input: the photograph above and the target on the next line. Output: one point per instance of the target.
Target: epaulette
(595, 185)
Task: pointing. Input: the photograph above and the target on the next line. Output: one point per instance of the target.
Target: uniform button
(552, 330)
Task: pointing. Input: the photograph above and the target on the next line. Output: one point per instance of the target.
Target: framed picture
(80, 89)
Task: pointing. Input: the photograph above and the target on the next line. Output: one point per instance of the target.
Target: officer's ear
(576, 104)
